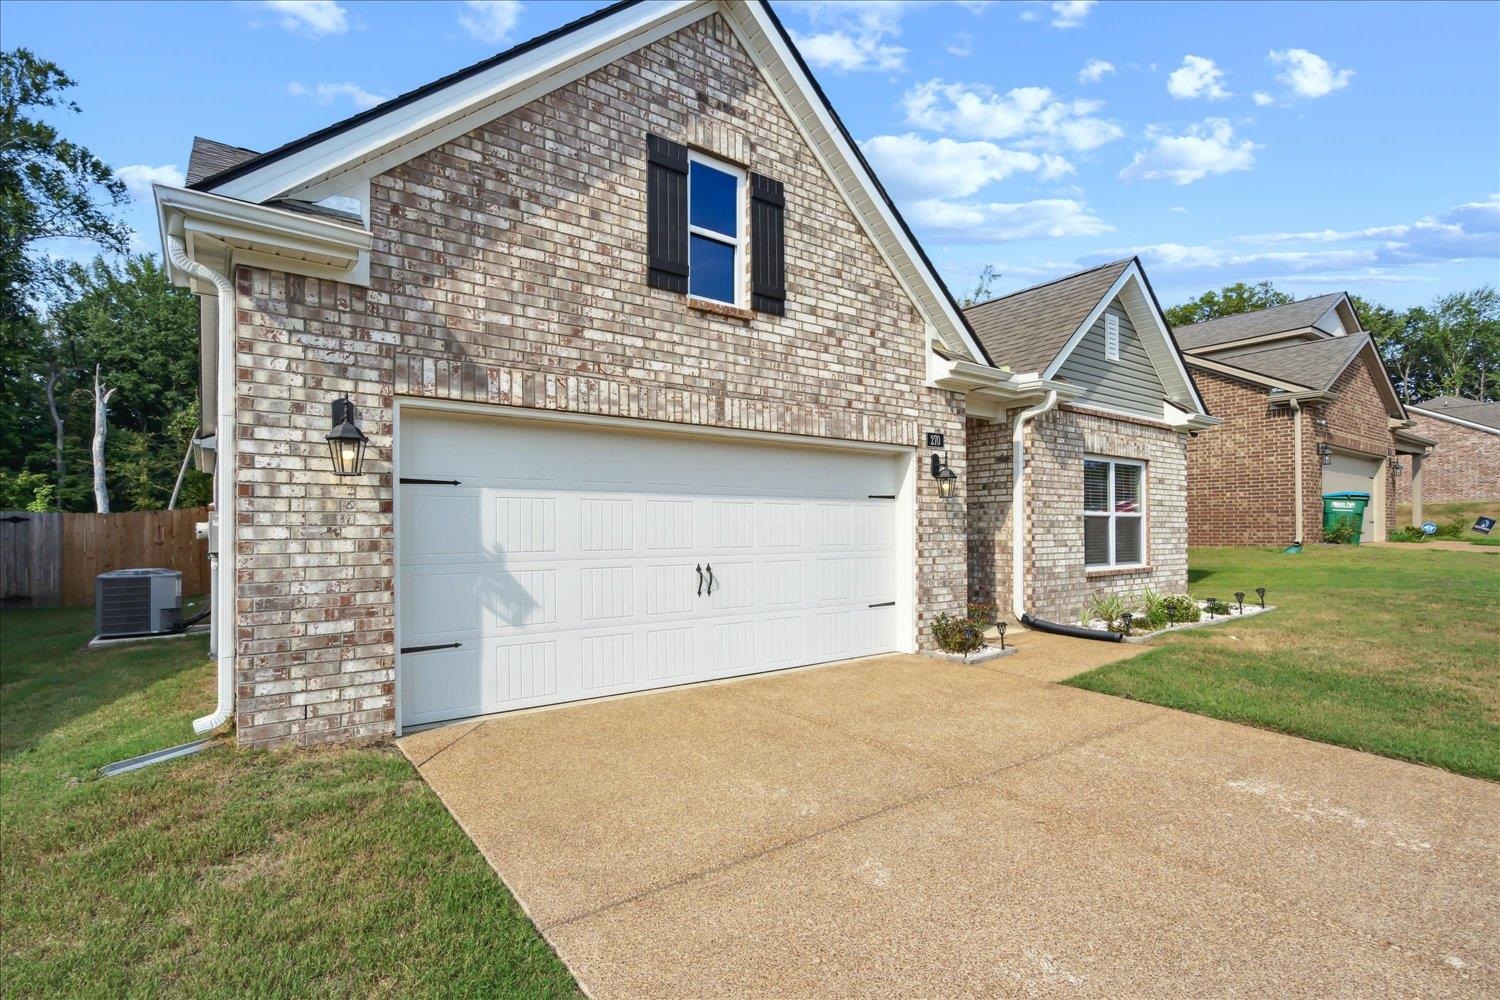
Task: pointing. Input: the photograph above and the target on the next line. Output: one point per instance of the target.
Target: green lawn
(232, 873)
(1394, 650)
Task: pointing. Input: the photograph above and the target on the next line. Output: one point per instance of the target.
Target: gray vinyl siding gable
(1129, 385)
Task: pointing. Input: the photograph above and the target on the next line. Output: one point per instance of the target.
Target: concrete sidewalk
(906, 827)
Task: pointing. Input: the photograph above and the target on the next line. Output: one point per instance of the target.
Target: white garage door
(1348, 473)
(548, 562)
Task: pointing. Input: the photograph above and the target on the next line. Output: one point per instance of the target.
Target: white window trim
(741, 236)
(1112, 515)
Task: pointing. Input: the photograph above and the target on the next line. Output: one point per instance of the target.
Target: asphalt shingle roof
(209, 157)
(1261, 323)
(1025, 330)
(1315, 364)
(1475, 411)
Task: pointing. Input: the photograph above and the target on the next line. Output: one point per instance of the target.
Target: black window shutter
(767, 246)
(666, 214)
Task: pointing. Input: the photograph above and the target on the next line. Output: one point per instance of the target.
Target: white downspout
(1018, 502)
(1296, 471)
(224, 460)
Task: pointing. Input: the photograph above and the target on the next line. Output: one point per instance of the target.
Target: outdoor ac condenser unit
(137, 602)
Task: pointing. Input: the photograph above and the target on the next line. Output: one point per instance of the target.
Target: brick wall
(509, 268)
(1057, 584)
(1240, 474)
(1465, 465)
(1358, 421)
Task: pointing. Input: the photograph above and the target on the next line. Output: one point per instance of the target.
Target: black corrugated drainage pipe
(1076, 631)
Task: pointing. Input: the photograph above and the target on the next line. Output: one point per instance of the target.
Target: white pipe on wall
(1018, 502)
(1296, 471)
(223, 579)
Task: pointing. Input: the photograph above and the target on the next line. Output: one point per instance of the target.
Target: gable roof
(1315, 364)
(1261, 323)
(1485, 413)
(1026, 330)
(395, 130)
(209, 158)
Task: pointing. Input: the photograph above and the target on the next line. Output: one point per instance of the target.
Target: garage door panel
(588, 585)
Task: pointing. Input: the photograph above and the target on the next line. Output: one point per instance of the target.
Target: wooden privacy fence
(48, 560)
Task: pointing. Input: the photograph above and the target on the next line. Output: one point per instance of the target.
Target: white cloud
(926, 168)
(490, 21)
(999, 222)
(1464, 232)
(1177, 210)
(1095, 70)
(317, 18)
(962, 45)
(1307, 74)
(851, 37)
(1032, 116)
(1197, 77)
(1205, 149)
(1065, 13)
(327, 93)
(139, 177)
(1262, 99)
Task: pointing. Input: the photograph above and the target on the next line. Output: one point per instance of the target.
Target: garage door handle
(699, 568)
(710, 568)
(423, 649)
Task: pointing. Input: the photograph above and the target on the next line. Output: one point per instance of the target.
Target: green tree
(1399, 336)
(1461, 342)
(1231, 300)
(983, 289)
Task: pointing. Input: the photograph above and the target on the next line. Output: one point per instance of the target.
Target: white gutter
(1296, 405)
(223, 576)
(1018, 501)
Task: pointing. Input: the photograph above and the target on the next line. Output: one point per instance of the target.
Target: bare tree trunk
(57, 431)
(181, 472)
(101, 427)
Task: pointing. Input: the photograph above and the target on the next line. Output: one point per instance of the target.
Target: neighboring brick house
(1308, 408)
(1107, 500)
(1466, 463)
(654, 386)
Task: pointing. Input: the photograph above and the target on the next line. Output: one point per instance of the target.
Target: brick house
(641, 381)
(1466, 463)
(1308, 408)
(1115, 435)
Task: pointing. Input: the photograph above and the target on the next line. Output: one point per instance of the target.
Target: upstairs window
(1114, 513)
(716, 231)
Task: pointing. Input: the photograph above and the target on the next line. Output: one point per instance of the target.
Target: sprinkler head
(1239, 598)
(1261, 593)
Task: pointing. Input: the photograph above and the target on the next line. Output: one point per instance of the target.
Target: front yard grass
(1394, 650)
(231, 873)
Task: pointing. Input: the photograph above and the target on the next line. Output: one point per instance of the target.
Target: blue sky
(1319, 146)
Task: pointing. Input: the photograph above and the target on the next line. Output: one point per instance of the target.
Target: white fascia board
(1224, 368)
(289, 237)
(1449, 418)
(842, 165)
(469, 102)
(1161, 348)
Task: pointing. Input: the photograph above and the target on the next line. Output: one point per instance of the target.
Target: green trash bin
(1346, 505)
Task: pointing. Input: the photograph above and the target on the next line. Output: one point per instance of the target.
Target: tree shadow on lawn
(50, 680)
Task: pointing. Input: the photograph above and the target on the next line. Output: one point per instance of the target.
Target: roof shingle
(1261, 323)
(1475, 411)
(1025, 330)
(1314, 364)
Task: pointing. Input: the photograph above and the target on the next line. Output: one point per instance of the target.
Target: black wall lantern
(1325, 452)
(1396, 466)
(346, 442)
(944, 475)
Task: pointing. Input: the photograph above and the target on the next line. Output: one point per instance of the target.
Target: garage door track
(900, 826)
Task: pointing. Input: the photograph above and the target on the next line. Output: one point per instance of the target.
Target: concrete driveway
(904, 827)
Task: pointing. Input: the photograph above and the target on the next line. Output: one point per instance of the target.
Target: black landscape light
(1239, 598)
(1000, 627)
(1125, 620)
(1209, 607)
(944, 475)
(346, 442)
(1261, 593)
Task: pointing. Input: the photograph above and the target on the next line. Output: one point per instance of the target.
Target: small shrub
(1155, 618)
(1456, 528)
(1216, 607)
(984, 615)
(1181, 609)
(1407, 534)
(1107, 608)
(957, 635)
(1342, 532)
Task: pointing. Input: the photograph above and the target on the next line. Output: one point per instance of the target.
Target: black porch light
(1325, 452)
(1261, 593)
(945, 476)
(1239, 598)
(1396, 466)
(346, 442)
